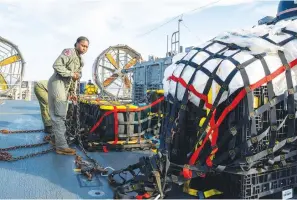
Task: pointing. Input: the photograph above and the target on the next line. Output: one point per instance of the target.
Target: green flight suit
(60, 86)
(40, 90)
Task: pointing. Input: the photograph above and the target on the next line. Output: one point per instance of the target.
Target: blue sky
(42, 29)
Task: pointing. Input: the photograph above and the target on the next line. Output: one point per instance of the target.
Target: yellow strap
(212, 192)
(154, 151)
(154, 114)
(202, 121)
(265, 100)
(157, 91)
(256, 102)
(106, 107)
(124, 142)
(209, 98)
(194, 192)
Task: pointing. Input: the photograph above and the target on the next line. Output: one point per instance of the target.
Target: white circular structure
(11, 66)
(109, 71)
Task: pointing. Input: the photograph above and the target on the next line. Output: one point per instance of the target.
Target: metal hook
(107, 168)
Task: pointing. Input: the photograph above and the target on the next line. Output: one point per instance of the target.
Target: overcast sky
(43, 28)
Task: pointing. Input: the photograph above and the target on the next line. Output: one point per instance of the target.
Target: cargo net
(110, 126)
(229, 107)
(251, 127)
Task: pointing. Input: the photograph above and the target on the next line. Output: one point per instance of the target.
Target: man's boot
(66, 151)
(48, 129)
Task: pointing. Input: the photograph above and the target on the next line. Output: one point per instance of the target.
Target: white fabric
(243, 38)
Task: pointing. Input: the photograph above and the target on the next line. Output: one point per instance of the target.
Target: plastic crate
(262, 120)
(257, 185)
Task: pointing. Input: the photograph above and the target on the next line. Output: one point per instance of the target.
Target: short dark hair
(81, 38)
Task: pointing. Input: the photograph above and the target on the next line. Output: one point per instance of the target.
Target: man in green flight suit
(40, 90)
(67, 70)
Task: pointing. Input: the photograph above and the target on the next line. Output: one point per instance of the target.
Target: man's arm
(60, 63)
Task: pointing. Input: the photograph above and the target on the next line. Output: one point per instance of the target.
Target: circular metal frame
(12, 66)
(110, 71)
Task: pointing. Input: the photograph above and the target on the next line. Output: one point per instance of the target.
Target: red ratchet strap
(105, 150)
(214, 138)
(116, 125)
(233, 105)
(124, 110)
(143, 196)
(187, 173)
(100, 121)
(192, 89)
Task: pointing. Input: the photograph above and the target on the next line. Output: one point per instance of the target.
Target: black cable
(177, 17)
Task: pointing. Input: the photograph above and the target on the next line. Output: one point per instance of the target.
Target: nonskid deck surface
(51, 175)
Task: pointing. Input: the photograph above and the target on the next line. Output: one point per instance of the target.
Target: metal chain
(31, 155)
(78, 131)
(5, 131)
(6, 156)
(23, 146)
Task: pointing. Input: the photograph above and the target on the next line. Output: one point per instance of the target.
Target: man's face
(82, 47)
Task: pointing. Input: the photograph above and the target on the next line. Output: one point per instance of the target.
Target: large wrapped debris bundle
(241, 87)
(230, 108)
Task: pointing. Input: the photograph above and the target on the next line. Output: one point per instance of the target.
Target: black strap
(163, 137)
(250, 161)
(285, 41)
(273, 117)
(172, 114)
(291, 91)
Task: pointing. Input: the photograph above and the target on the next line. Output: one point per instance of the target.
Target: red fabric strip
(116, 125)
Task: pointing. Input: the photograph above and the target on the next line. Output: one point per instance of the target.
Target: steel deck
(49, 176)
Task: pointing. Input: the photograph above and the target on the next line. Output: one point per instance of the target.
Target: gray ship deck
(51, 175)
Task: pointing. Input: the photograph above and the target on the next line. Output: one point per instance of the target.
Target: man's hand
(75, 76)
(73, 98)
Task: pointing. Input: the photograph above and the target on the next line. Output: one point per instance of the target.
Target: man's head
(82, 45)
(89, 82)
